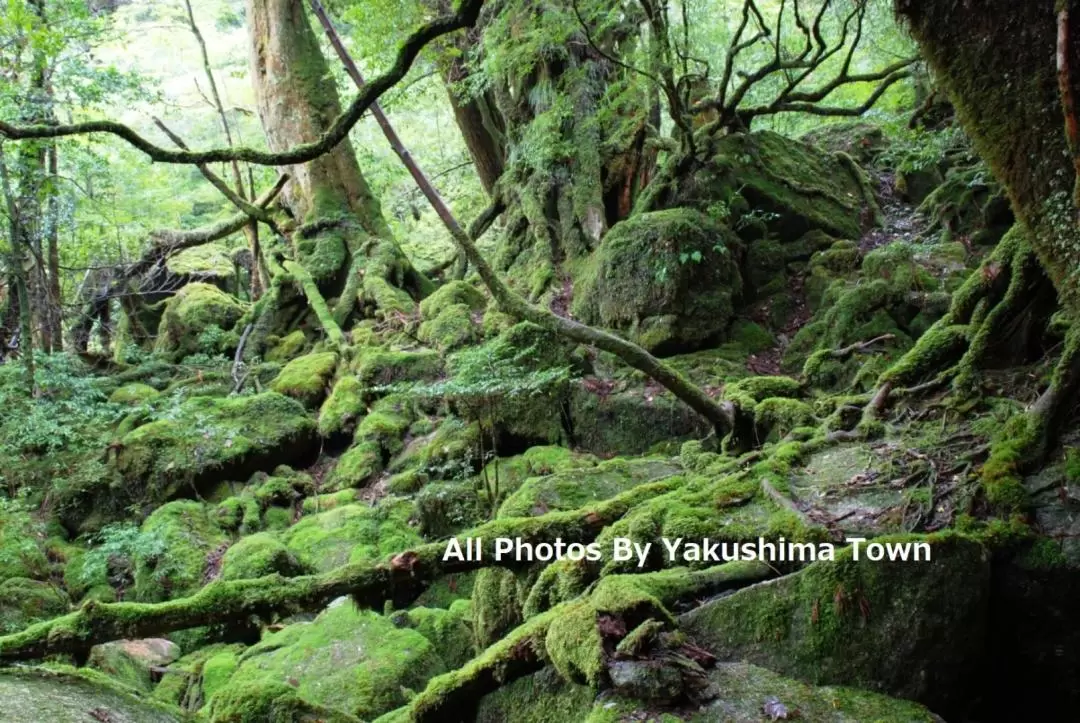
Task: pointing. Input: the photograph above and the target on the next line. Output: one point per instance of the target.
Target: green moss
(307, 378)
(444, 508)
(356, 467)
(208, 439)
(66, 696)
(258, 555)
(270, 702)
(287, 348)
(189, 534)
(378, 367)
(131, 661)
(452, 294)
(134, 393)
(195, 309)
(357, 662)
(776, 417)
(543, 697)
(210, 262)
(1011, 449)
(22, 549)
(668, 279)
(446, 629)
(453, 328)
(351, 533)
(23, 602)
(342, 408)
(188, 682)
(748, 392)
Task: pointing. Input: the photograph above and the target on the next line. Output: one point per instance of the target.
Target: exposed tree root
(398, 580)
(570, 636)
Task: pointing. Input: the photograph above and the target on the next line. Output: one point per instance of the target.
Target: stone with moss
(190, 681)
(197, 312)
(455, 326)
(210, 263)
(443, 508)
(381, 367)
(258, 555)
(286, 348)
(631, 421)
(134, 394)
(22, 548)
(543, 697)
(353, 661)
(351, 533)
(357, 467)
(340, 411)
(575, 489)
(136, 663)
(669, 280)
(307, 378)
(830, 622)
(188, 536)
(210, 439)
(270, 702)
(447, 629)
(452, 294)
(23, 602)
(67, 696)
(448, 452)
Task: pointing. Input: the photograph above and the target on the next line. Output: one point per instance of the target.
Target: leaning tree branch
(398, 580)
(465, 17)
(422, 181)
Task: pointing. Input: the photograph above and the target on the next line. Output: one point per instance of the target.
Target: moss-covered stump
(67, 697)
(23, 602)
(136, 663)
(669, 280)
(916, 630)
(630, 421)
(307, 378)
(351, 533)
(357, 662)
(211, 439)
(198, 319)
(258, 555)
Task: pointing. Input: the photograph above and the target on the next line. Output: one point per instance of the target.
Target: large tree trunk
(996, 59)
(342, 239)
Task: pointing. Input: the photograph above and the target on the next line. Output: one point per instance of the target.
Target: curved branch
(466, 16)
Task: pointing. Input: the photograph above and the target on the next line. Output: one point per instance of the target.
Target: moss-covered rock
(68, 697)
(287, 347)
(197, 320)
(667, 279)
(209, 439)
(542, 697)
(447, 629)
(572, 490)
(455, 326)
(381, 367)
(258, 555)
(830, 622)
(452, 294)
(23, 602)
(630, 421)
(22, 546)
(356, 467)
(210, 263)
(357, 662)
(342, 408)
(134, 662)
(190, 681)
(133, 394)
(188, 535)
(351, 533)
(307, 378)
(272, 702)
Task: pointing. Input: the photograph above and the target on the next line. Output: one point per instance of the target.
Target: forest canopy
(299, 297)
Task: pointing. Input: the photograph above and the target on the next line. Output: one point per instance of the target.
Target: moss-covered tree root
(398, 580)
(572, 636)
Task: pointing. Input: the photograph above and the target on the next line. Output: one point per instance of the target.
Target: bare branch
(466, 16)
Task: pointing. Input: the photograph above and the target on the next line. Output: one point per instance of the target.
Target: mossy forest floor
(191, 538)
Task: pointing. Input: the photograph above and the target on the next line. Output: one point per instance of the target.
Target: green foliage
(122, 546)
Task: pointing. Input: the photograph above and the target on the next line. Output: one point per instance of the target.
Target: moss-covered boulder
(382, 367)
(783, 185)
(669, 280)
(575, 489)
(191, 681)
(307, 378)
(831, 622)
(287, 347)
(258, 555)
(23, 602)
(70, 697)
(354, 661)
(340, 411)
(134, 394)
(22, 546)
(136, 663)
(452, 316)
(629, 420)
(198, 319)
(210, 439)
(210, 263)
(351, 533)
(186, 539)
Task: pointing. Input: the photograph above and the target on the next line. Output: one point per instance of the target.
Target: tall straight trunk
(343, 240)
(55, 305)
(18, 276)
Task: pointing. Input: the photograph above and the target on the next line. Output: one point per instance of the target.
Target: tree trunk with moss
(1010, 70)
(340, 236)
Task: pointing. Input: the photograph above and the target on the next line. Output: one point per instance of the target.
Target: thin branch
(466, 16)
